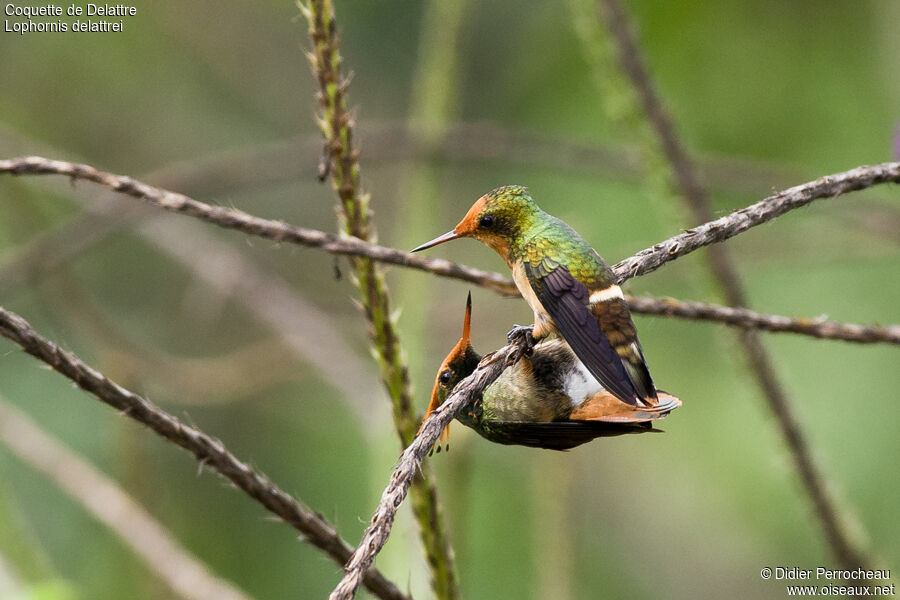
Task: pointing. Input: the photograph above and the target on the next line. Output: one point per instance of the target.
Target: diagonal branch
(209, 451)
(765, 210)
(231, 218)
(283, 312)
(747, 319)
(643, 262)
(375, 536)
(183, 572)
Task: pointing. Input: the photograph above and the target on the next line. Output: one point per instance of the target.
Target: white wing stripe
(609, 293)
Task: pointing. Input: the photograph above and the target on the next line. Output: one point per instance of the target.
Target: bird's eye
(445, 376)
(486, 222)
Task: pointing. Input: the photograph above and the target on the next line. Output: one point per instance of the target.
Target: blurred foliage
(803, 88)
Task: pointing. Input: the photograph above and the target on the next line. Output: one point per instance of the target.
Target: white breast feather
(580, 384)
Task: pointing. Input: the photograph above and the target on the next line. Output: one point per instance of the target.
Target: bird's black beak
(450, 235)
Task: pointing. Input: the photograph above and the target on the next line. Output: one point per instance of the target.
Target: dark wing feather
(614, 319)
(557, 435)
(566, 301)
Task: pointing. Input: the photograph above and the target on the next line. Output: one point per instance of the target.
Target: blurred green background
(215, 100)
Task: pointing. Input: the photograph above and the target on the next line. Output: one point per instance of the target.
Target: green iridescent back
(535, 236)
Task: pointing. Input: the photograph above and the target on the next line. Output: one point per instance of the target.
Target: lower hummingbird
(547, 399)
(570, 288)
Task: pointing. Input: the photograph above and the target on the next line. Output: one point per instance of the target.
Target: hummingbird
(570, 288)
(547, 399)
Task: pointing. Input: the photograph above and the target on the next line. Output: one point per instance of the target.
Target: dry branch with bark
(643, 262)
(375, 536)
(340, 160)
(206, 449)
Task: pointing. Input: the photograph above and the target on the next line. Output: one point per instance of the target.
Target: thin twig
(643, 262)
(58, 244)
(719, 230)
(231, 218)
(657, 255)
(292, 317)
(375, 536)
(342, 161)
(847, 551)
(183, 572)
(744, 318)
(391, 142)
(208, 450)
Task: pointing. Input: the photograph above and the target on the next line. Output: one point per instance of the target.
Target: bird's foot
(525, 332)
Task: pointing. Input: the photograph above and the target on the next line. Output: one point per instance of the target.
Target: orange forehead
(468, 227)
(469, 223)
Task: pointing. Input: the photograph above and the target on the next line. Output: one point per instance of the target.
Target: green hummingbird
(547, 399)
(570, 288)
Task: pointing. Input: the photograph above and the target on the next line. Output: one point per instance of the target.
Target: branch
(231, 218)
(643, 262)
(198, 380)
(492, 366)
(287, 313)
(53, 246)
(745, 318)
(765, 210)
(724, 269)
(184, 573)
(375, 536)
(209, 451)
